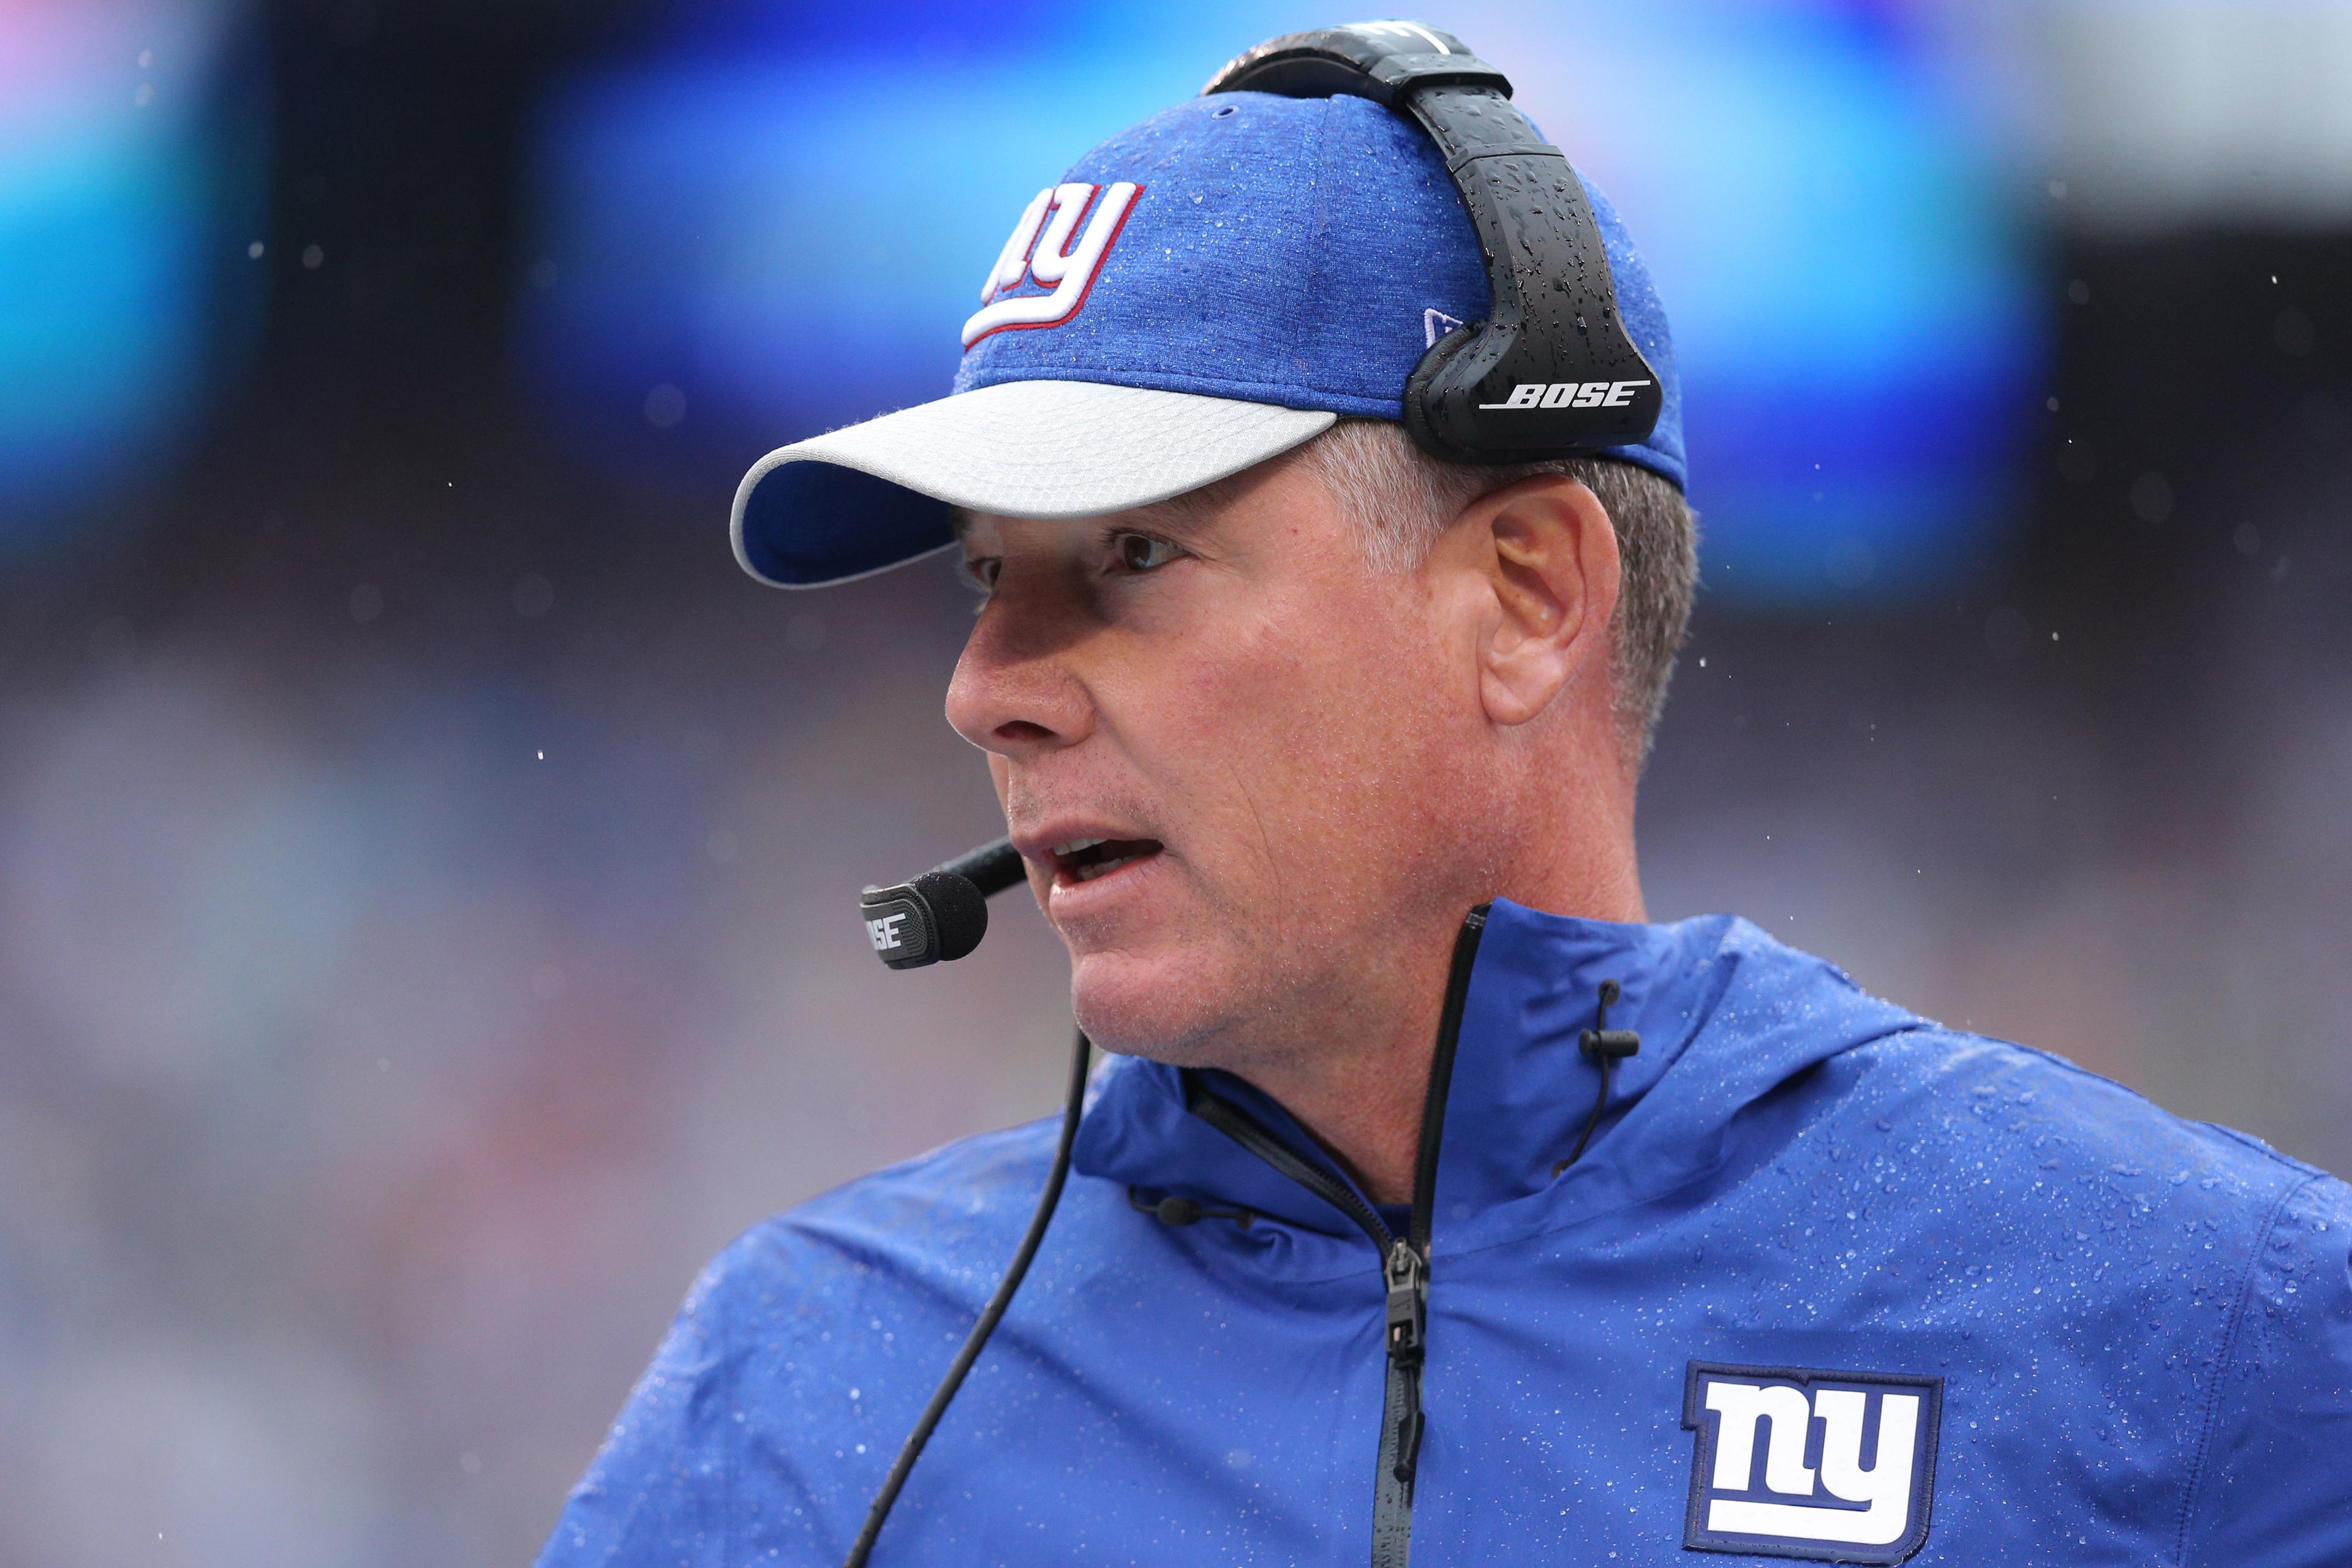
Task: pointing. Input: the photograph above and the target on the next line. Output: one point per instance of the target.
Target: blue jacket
(1831, 1281)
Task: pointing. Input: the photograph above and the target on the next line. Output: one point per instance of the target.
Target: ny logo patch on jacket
(1797, 1462)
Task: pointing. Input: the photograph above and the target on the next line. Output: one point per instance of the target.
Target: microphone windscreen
(959, 912)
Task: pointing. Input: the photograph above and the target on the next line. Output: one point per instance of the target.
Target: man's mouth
(1084, 859)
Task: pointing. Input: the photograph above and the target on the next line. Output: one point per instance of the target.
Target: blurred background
(426, 860)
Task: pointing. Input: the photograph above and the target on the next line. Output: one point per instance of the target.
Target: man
(1433, 1204)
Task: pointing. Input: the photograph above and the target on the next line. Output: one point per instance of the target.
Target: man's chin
(1163, 1005)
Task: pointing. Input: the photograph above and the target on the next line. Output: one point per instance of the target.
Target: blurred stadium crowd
(425, 863)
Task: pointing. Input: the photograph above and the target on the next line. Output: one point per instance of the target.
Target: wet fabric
(2141, 1327)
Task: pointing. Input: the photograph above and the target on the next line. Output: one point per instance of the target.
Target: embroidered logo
(1058, 247)
(1778, 1466)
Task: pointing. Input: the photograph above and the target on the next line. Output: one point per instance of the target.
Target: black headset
(1549, 374)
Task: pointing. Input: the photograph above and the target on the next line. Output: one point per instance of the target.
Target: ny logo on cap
(1051, 249)
(1807, 1492)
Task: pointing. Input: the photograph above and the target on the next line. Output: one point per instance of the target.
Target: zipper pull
(1410, 1426)
(1408, 1302)
(1408, 1282)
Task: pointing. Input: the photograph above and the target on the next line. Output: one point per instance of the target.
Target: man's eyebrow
(1182, 513)
(1193, 512)
(1176, 511)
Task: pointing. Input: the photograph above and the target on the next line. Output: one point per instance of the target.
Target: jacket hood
(1726, 1014)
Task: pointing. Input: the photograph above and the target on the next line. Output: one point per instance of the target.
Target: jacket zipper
(1404, 1259)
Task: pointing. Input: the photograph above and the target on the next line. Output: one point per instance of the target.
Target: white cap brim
(864, 499)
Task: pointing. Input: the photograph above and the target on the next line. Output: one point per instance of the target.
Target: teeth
(1074, 846)
(1089, 873)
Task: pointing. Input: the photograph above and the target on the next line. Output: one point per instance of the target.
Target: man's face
(1239, 761)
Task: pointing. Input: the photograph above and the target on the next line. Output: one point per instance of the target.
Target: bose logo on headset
(1570, 395)
(884, 933)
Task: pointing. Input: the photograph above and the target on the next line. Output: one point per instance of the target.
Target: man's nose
(1014, 691)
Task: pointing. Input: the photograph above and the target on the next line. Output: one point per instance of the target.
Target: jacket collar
(1521, 1089)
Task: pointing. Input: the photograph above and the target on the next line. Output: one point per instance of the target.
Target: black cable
(974, 1343)
(1605, 1045)
(1174, 1211)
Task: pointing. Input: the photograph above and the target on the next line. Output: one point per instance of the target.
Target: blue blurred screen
(119, 215)
(755, 234)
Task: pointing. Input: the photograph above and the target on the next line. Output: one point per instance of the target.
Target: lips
(1084, 859)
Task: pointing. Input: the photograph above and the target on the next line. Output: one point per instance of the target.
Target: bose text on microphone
(942, 915)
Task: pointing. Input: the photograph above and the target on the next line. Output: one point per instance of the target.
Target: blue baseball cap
(1205, 290)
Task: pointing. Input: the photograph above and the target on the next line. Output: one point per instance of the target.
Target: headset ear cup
(1418, 422)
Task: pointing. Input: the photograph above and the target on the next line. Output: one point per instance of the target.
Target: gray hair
(1401, 500)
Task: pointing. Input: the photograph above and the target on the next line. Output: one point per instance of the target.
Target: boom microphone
(941, 914)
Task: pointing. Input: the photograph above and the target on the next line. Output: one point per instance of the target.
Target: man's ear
(1548, 553)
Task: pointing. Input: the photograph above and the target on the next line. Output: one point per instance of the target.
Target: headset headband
(1550, 371)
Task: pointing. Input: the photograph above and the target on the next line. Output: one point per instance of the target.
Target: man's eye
(980, 573)
(1142, 552)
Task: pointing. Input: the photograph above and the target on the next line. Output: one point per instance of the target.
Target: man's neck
(1362, 1106)
(1358, 1084)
